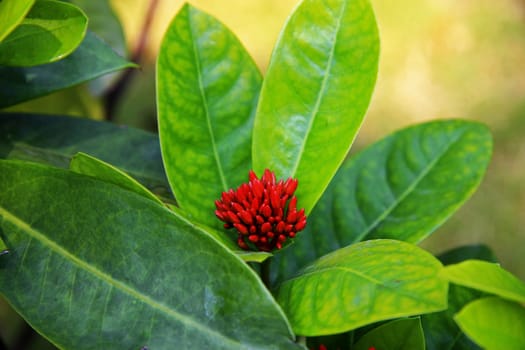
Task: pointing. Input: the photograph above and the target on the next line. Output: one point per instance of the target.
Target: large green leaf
(83, 163)
(316, 92)
(91, 59)
(54, 140)
(94, 266)
(494, 323)
(361, 284)
(487, 277)
(441, 331)
(12, 12)
(402, 187)
(50, 31)
(400, 334)
(207, 88)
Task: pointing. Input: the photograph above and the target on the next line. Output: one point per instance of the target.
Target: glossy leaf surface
(85, 164)
(55, 140)
(494, 323)
(207, 88)
(50, 31)
(316, 92)
(361, 284)
(399, 334)
(118, 271)
(486, 277)
(12, 12)
(401, 187)
(90, 60)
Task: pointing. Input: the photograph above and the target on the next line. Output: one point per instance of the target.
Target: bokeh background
(439, 59)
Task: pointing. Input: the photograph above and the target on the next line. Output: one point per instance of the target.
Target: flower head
(263, 211)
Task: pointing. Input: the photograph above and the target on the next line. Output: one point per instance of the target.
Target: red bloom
(263, 212)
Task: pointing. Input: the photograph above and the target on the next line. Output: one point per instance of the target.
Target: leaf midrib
(408, 190)
(320, 95)
(123, 287)
(205, 103)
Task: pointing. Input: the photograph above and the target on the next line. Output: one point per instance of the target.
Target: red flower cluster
(263, 211)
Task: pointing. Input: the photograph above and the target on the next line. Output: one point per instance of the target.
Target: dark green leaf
(94, 266)
(400, 334)
(316, 92)
(474, 251)
(50, 31)
(494, 323)
(402, 187)
(92, 59)
(85, 164)
(12, 12)
(54, 140)
(364, 283)
(207, 88)
(441, 331)
(486, 277)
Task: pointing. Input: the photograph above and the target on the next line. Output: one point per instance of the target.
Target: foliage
(108, 237)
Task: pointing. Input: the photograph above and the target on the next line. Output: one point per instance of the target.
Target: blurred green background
(439, 59)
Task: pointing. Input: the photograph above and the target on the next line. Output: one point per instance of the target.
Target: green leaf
(85, 164)
(92, 59)
(395, 335)
(54, 140)
(472, 251)
(207, 88)
(401, 187)
(364, 283)
(94, 266)
(486, 277)
(316, 92)
(50, 31)
(12, 12)
(441, 331)
(494, 323)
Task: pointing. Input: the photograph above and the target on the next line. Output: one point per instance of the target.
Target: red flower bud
(263, 211)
